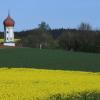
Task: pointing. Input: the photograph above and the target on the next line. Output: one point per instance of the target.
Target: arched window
(7, 38)
(7, 31)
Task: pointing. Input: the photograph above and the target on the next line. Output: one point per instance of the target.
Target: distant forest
(81, 39)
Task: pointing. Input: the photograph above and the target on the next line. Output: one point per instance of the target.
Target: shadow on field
(70, 68)
(75, 68)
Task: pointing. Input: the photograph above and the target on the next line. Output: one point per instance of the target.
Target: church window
(7, 31)
(7, 38)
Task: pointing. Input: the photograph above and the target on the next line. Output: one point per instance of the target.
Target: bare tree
(85, 26)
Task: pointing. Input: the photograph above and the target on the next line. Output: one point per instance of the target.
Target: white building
(9, 31)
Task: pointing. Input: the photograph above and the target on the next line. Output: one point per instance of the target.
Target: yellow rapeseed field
(38, 84)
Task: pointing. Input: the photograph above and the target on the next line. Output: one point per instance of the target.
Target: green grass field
(2, 40)
(49, 59)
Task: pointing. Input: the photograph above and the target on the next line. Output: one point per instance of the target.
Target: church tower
(9, 31)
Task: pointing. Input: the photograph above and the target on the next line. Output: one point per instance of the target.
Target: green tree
(43, 26)
(38, 39)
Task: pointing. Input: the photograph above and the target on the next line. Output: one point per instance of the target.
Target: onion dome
(9, 21)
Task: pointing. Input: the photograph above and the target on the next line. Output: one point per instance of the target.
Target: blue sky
(57, 13)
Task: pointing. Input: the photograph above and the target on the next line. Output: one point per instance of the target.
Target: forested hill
(81, 39)
(56, 32)
(69, 39)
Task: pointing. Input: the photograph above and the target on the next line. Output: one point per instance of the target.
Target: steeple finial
(8, 12)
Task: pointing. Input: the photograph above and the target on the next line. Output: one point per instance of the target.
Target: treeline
(81, 39)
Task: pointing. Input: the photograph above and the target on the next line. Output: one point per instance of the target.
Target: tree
(37, 39)
(45, 36)
(85, 26)
(66, 40)
(43, 26)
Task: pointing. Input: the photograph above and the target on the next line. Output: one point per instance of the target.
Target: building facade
(9, 31)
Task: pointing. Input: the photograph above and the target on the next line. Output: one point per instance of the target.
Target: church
(9, 31)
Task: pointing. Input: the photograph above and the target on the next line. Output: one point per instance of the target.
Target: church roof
(9, 21)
